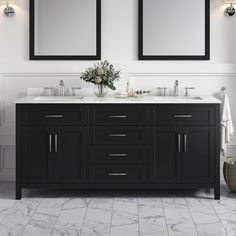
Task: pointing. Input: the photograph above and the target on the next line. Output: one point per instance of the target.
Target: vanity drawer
(118, 135)
(121, 154)
(54, 114)
(117, 174)
(200, 115)
(117, 114)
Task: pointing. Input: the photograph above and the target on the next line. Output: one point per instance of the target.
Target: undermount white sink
(177, 98)
(58, 98)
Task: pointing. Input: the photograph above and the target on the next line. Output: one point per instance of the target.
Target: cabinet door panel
(68, 155)
(167, 155)
(199, 154)
(36, 159)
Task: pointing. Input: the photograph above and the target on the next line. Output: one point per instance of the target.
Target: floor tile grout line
(5, 215)
(54, 225)
(32, 216)
(81, 230)
(219, 218)
(111, 215)
(9, 211)
(191, 216)
(139, 233)
(3, 219)
(58, 217)
(164, 216)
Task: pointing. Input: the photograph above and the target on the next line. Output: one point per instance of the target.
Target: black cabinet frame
(146, 167)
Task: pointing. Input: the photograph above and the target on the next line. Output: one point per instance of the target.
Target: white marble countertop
(112, 100)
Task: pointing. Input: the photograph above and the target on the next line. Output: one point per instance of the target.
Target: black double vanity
(89, 145)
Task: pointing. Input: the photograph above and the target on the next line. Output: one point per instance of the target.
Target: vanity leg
(18, 192)
(217, 192)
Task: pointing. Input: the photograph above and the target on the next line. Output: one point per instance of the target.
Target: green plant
(102, 73)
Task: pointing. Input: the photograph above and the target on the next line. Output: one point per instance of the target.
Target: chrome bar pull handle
(117, 174)
(183, 116)
(118, 116)
(179, 142)
(56, 143)
(185, 142)
(53, 116)
(117, 135)
(117, 155)
(50, 143)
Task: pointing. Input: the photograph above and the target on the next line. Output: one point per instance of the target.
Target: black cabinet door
(198, 154)
(69, 143)
(167, 154)
(36, 154)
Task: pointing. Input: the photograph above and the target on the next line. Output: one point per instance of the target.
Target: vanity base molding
(104, 187)
(118, 146)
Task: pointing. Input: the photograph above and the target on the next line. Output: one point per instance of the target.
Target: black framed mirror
(174, 30)
(65, 30)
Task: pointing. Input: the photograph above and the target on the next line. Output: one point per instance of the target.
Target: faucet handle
(163, 90)
(61, 83)
(74, 90)
(187, 90)
(50, 89)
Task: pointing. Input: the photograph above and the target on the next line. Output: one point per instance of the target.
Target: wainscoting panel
(7, 163)
(7, 158)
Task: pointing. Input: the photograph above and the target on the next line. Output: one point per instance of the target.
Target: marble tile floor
(116, 213)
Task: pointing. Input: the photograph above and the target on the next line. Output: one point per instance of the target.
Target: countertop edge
(112, 100)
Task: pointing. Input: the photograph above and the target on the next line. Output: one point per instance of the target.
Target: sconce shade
(230, 1)
(9, 10)
(230, 10)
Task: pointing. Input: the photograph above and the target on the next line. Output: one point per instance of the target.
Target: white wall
(119, 46)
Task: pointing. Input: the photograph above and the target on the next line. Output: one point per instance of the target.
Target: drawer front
(118, 135)
(119, 115)
(117, 174)
(48, 114)
(185, 115)
(118, 154)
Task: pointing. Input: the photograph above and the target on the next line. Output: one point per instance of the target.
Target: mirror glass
(174, 29)
(65, 29)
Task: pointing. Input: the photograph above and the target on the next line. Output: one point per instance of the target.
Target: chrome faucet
(176, 88)
(62, 88)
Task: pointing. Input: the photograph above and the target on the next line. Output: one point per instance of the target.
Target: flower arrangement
(102, 73)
